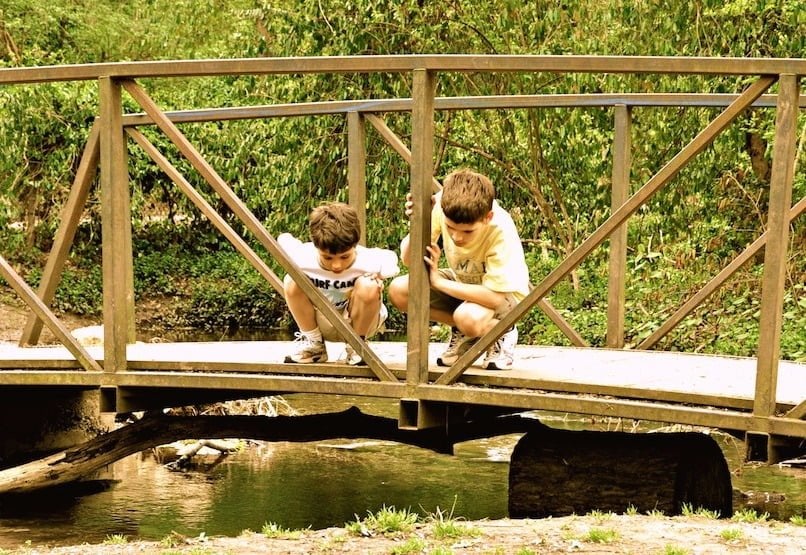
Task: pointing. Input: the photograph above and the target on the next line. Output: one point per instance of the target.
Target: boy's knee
(399, 292)
(367, 289)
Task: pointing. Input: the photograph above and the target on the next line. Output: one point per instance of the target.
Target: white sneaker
(457, 346)
(308, 351)
(353, 358)
(502, 353)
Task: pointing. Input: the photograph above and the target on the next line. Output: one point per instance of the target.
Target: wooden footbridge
(762, 398)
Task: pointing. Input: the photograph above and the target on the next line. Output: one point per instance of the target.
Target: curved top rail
(405, 63)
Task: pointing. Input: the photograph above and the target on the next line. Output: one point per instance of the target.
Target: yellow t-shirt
(495, 259)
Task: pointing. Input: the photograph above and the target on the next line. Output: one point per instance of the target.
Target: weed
(675, 550)
(749, 515)
(601, 535)
(632, 510)
(656, 513)
(599, 516)
(411, 545)
(689, 511)
(387, 521)
(798, 520)
(731, 534)
(273, 530)
(446, 526)
(115, 539)
(525, 551)
(172, 540)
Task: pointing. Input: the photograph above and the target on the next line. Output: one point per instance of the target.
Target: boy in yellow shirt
(486, 275)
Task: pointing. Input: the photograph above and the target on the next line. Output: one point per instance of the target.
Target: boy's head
(335, 231)
(467, 197)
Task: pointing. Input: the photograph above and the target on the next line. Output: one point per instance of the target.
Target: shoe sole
(289, 360)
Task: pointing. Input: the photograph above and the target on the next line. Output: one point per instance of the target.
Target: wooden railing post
(116, 244)
(422, 173)
(775, 255)
(618, 240)
(356, 168)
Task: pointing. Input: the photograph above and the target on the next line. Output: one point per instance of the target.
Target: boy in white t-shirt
(486, 275)
(348, 274)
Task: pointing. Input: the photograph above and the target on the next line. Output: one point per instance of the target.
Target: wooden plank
(617, 273)
(397, 144)
(422, 174)
(716, 282)
(209, 212)
(118, 298)
(566, 328)
(256, 227)
(682, 65)
(492, 102)
(357, 169)
(775, 253)
(42, 311)
(63, 241)
(655, 183)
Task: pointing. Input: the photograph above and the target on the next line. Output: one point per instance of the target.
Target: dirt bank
(586, 534)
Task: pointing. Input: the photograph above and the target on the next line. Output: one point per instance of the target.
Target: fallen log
(158, 429)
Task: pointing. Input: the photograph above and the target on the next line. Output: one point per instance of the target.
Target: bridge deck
(540, 373)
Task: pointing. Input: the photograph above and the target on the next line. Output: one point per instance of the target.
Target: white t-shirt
(338, 287)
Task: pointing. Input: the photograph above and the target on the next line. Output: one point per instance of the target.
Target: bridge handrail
(113, 77)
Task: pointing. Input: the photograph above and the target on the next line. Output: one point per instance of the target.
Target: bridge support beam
(37, 422)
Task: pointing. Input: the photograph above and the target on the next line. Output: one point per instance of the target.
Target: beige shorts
(446, 303)
(329, 332)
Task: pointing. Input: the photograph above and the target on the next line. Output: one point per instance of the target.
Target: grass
(274, 530)
(115, 539)
(749, 515)
(689, 511)
(675, 550)
(409, 547)
(731, 534)
(798, 520)
(387, 521)
(446, 526)
(601, 535)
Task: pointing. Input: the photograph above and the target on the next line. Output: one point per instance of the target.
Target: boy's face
(464, 235)
(336, 263)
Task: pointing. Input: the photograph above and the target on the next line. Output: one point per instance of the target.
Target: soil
(636, 534)
(573, 534)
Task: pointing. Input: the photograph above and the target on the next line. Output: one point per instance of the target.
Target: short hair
(467, 196)
(334, 227)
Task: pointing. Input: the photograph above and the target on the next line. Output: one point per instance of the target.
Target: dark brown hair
(334, 227)
(467, 196)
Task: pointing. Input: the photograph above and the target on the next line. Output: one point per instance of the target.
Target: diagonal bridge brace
(256, 227)
(616, 219)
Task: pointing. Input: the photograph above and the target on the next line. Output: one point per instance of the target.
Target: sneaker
(457, 346)
(308, 352)
(353, 358)
(501, 354)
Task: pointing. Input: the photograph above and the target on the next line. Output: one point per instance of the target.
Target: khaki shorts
(446, 303)
(329, 332)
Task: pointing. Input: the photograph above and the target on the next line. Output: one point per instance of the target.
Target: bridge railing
(106, 149)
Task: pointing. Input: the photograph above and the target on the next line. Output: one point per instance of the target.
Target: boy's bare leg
(299, 305)
(399, 296)
(365, 304)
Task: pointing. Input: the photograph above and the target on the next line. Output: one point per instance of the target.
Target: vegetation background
(552, 166)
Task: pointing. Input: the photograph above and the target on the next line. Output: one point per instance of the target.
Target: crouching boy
(486, 274)
(348, 274)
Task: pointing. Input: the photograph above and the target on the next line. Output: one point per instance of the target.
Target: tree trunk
(157, 429)
(560, 472)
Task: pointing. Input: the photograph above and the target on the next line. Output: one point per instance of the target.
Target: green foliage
(749, 515)
(387, 521)
(551, 166)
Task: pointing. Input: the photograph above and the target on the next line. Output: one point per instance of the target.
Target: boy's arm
(471, 292)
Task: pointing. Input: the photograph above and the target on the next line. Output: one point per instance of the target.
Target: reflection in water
(313, 485)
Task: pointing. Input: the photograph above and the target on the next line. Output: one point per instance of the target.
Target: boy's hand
(432, 261)
(410, 204)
